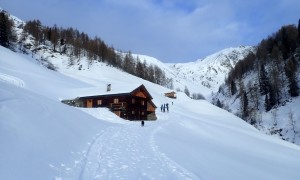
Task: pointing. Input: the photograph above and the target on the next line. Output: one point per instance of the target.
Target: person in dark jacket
(142, 123)
(167, 106)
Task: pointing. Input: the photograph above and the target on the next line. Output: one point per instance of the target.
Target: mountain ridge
(200, 77)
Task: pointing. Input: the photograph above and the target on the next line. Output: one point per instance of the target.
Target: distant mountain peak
(212, 70)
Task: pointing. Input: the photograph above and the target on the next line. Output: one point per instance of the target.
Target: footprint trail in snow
(128, 151)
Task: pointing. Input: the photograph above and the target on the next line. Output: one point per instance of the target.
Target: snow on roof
(115, 89)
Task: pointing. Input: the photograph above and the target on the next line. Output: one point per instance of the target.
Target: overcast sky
(170, 30)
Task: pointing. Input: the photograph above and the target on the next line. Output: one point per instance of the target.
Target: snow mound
(12, 80)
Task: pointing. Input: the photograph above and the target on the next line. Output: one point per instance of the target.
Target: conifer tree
(272, 97)
(150, 74)
(233, 87)
(112, 56)
(267, 103)
(219, 104)
(299, 31)
(4, 30)
(275, 84)
(244, 100)
(291, 70)
(140, 69)
(245, 105)
(49, 30)
(54, 37)
(186, 91)
(145, 69)
(129, 64)
(35, 29)
(254, 95)
(158, 75)
(263, 81)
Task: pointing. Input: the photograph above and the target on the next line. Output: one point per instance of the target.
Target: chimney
(108, 87)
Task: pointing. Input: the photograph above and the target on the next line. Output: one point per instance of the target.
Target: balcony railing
(118, 106)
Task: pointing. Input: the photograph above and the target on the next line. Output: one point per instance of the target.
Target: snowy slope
(44, 139)
(282, 121)
(204, 75)
(37, 132)
(211, 71)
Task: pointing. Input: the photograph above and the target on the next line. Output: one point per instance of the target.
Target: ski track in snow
(128, 151)
(12, 80)
(180, 172)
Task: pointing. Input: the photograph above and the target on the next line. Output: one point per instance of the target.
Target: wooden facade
(171, 95)
(135, 105)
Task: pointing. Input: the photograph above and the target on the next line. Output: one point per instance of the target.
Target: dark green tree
(112, 57)
(272, 96)
(5, 30)
(267, 103)
(150, 73)
(186, 91)
(35, 29)
(299, 31)
(140, 69)
(264, 82)
(245, 105)
(233, 88)
(219, 104)
(291, 73)
(129, 64)
(158, 73)
(49, 33)
(55, 37)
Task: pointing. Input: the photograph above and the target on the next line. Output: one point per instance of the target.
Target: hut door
(118, 113)
(89, 103)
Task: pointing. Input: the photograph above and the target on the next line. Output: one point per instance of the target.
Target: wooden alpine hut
(133, 104)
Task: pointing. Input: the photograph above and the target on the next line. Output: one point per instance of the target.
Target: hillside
(45, 139)
(205, 75)
(212, 70)
(263, 88)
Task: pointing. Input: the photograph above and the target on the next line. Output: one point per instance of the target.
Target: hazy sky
(170, 30)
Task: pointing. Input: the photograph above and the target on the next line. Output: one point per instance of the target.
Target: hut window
(116, 100)
(133, 101)
(143, 113)
(133, 112)
(99, 101)
(143, 103)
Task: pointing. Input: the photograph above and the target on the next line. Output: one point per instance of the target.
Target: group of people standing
(164, 107)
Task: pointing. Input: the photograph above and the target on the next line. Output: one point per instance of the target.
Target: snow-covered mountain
(212, 70)
(204, 75)
(41, 138)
